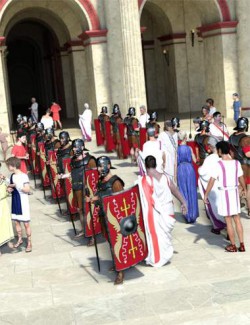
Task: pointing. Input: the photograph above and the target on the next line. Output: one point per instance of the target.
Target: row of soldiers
(71, 173)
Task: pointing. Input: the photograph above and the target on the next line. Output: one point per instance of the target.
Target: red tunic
(55, 108)
(20, 151)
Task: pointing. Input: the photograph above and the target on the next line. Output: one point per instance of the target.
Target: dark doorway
(34, 67)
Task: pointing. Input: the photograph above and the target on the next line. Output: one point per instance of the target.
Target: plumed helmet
(78, 144)
(242, 124)
(50, 131)
(131, 111)
(19, 118)
(116, 109)
(175, 121)
(204, 125)
(25, 119)
(64, 135)
(153, 116)
(105, 163)
(151, 131)
(104, 110)
(39, 126)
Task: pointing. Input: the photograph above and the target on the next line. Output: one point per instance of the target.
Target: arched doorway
(34, 67)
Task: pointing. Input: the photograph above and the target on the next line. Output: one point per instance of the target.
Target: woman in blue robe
(186, 178)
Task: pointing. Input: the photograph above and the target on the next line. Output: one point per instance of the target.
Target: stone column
(220, 54)
(5, 116)
(132, 53)
(242, 11)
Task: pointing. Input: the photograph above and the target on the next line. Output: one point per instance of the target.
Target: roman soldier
(153, 123)
(64, 151)
(107, 185)
(131, 132)
(103, 117)
(202, 140)
(39, 135)
(80, 162)
(115, 119)
(175, 123)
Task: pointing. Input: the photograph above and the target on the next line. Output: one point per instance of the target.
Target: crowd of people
(168, 165)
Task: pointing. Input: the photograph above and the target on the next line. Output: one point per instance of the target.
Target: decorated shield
(34, 158)
(91, 179)
(110, 146)
(43, 167)
(98, 132)
(125, 227)
(56, 184)
(71, 201)
(142, 137)
(124, 142)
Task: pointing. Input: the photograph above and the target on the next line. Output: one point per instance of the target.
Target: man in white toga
(34, 109)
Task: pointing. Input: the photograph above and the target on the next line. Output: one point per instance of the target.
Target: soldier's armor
(103, 118)
(113, 121)
(239, 155)
(129, 124)
(39, 138)
(62, 153)
(106, 189)
(202, 151)
(155, 125)
(77, 171)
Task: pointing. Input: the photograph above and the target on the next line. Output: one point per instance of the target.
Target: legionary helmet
(78, 145)
(31, 120)
(153, 116)
(104, 163)
(50, 133)
(175, 121)
(104, 110)
(204, 125)
(116, 109)
(64, 137)
(131, 111)
(151, 132)
(242, 124)
(19, 118)
(25, 119)
(39, 126)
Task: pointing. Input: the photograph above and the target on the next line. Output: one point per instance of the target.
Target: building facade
(168, 54)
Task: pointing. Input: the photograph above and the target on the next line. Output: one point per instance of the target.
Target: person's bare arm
(209, 187)
(176, 193)
(243, 185)
(26, 188)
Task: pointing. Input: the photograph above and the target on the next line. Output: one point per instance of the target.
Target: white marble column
(5, 115)
(132, 53)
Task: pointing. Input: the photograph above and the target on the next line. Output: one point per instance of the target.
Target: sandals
(119, 278)
(91, 242)
(19, 242)
(79, 235)
(29, 246)
(242, 248)
(231, 248)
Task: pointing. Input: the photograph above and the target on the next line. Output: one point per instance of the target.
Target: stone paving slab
(58, 283)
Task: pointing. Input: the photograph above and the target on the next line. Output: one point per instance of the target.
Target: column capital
(219, 28)
(2, 40)
(91, 37)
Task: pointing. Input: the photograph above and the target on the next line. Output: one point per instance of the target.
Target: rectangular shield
(110, 146)
(44, 173)
(125, 227)
(98, 133)
(90, 181)
(71, 201)
(56, 184)
(124, 142)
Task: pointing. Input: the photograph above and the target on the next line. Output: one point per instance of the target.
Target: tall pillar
(132, 53)
(220, 52)
(242, 11)
(125, 61)
(5, 121)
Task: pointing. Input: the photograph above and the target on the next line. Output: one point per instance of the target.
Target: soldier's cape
(110, 146)
(98, 132)
(125, 228)
(142, 137)
(124, 142)
(91, 178)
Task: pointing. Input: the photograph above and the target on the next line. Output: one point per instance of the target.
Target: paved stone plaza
(58, 283)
